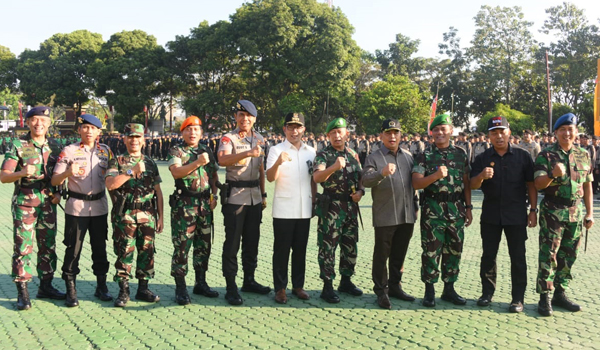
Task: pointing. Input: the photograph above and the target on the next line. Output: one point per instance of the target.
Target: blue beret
(246, 106)
(39, 110)
(90, 119)
(567, 119)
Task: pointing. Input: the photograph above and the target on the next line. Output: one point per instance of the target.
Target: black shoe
(544, 306)
(71, 300)
(102, 290)
(396, 291)
(181, 294)
(384, 301)
(560, 299)
(346, 286)
(450, 295)
(429, 298)
(516, 306)
(201, 287)
(251, 286)
(47, 290)
(123, 296)
(328, 294)
(484, 300)
(145, 294)
(23, 301)
(233, 297)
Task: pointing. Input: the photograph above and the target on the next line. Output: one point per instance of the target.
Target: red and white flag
(433, 108)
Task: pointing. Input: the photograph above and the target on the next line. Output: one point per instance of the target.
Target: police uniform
(86, 209)
(191, 215)
(443, 216)
(338, 219)
(134, 219)
(561, 219)
(34, 215)
(243, 211)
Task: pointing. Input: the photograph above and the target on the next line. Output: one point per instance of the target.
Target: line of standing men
(504, 173)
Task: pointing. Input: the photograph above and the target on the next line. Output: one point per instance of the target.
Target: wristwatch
(264, 195)
(535, 210)
(470, 206)
(129, 172)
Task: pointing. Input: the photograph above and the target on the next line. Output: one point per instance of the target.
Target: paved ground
(356, 322)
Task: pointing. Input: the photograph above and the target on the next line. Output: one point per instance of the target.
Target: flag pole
(597, 103)
(549, 94)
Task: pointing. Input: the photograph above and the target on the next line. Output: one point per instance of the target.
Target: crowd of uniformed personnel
(433, 174)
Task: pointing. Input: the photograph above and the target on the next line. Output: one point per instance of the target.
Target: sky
(27, 23)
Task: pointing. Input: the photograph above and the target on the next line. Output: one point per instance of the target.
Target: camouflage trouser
(440, 237)
(128, 237)
(189, 227)
(338, 227)
(559, 244)
(28, 221)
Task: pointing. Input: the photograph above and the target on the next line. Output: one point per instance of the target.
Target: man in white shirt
(289, 164)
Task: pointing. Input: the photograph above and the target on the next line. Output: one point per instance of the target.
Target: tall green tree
(501, 48)
(129, 73)
(8, 68)
(517, 119)
(11, 101)
(296, 47)
(57, 73)
(395, 97)
(573, 54)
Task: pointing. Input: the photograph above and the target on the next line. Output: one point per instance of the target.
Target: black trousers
(75, 229)
(516, 235)
(390, 242)
(289, 234)
(242, 224)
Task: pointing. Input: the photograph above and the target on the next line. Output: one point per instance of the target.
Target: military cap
(246, 106)
(481, 134)
(442, 119)
(567, 119)
(133, 129)
(462, 133)
(390, 124)
(337, 123)
(583, 136)
(294, 118)
(191, 120)
(527, 131)
(516, 137)
(89, 119)
(595, 137)
(39, 110)
(498, 123)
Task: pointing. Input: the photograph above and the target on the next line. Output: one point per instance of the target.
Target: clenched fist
(389, 169)
(442, 172)
(340, 162)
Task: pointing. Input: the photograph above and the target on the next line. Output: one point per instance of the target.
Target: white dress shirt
(292, 198)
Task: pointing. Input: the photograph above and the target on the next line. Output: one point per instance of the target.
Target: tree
(10, 100)
(57, 73)
(8, 66)
(296, 47)
(395, 97)
(502, 47)
(573, 55)
(129, 73)
(518, 121)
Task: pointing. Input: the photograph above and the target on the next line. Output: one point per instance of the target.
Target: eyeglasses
(310, 167)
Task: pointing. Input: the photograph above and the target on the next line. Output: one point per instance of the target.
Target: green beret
(337, 123)
(442, 119)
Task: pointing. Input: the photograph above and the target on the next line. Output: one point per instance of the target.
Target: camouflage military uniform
(32, 209)
(443, 215)
(339, 224)
(133, 217)
(191, 217)
(561, 215)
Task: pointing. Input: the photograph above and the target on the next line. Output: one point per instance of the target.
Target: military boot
(251, 286)
(232, 296)
(328, 294)
(560, 299)
(201, 287)
(71, 292)
(544, 306)
(181, 294)
(450, 295)
(145, 294)
(23, 302)
(102, 289)
(123, 296)
(346, 286)
(47, 290)
(429, 298)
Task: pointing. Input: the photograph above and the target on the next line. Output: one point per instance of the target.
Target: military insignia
(80, 120)
(81, 171)
(225, 140)
(30, 152)
(295, 118)
(46, 112)
(340, 122)
(242, 162)
(238, 106)
(392, 123)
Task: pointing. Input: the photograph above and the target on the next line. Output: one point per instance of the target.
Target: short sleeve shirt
(343, 181)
